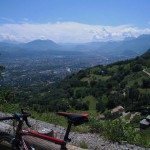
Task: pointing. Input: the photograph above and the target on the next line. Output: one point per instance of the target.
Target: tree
(80, 93)
(133, 93)
(137, 67)
(81, 105)
(146, 83)
(133, 96)
(81, 74)
(100, 106)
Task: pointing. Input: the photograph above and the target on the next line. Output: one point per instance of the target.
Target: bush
(136, 67)
(96, 126)
(127, 117)
(118, 131)
(100, 106)
(146, 83)
(108, 114)
(136, 119)
(81, 105)
(83, 145)
(114, 131)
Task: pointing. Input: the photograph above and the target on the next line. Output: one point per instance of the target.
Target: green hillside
(98, 88)
(122, 83)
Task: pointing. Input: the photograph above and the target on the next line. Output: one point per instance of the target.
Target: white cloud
(7, 19)
(68, 32)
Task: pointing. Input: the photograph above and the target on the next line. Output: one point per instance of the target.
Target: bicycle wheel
(5, 141)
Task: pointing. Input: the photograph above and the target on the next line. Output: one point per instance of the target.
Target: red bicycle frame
(18, 142)
(43, 136)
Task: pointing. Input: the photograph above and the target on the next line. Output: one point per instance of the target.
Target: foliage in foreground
(114, 130)
(83, 145)
(117, 131)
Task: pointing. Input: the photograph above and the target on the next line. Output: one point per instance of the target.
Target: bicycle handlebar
(6, 118)
(18, 117)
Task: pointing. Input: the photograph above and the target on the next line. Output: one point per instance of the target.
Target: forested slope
(98, 88)
(101, 87)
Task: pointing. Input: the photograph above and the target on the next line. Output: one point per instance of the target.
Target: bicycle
(17, 141)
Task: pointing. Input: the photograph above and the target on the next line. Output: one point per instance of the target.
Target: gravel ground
(93, 141)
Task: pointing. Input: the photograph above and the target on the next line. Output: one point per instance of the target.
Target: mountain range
(128, 47)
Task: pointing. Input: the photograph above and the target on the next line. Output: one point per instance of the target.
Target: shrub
(146, 83)
(81, 105)
(136, 67)
(117, 131)
(83, 145)
(100, 106)
(114, 131)
(136, 119)
(127, 117)
(96, 126)
(107, 114)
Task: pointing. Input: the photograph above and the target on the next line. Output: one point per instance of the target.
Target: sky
(73, 21)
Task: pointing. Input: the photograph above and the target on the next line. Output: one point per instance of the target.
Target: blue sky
(114, 13)
(104, 12)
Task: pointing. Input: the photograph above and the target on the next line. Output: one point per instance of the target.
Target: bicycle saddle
(76, 119)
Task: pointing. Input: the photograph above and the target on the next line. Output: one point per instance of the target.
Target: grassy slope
(130, 78)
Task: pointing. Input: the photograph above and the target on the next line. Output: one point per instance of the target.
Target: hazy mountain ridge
(41, 45)
(128, 45)
(127, 48)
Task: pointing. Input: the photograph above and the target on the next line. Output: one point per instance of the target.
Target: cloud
(7, 19)
(67, 32)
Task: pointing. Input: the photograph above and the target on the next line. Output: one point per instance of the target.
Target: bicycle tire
(6, 139)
